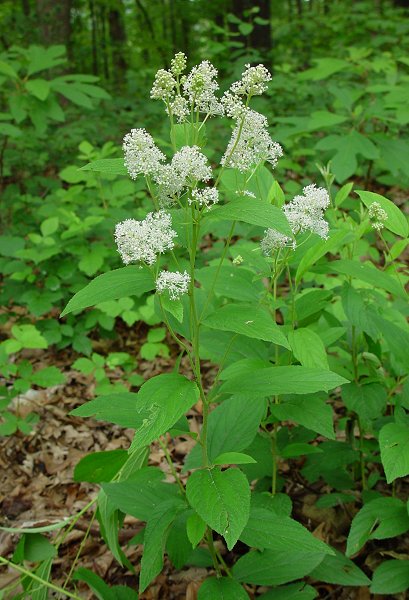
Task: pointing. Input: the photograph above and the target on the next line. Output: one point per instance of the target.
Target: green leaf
(273, 567)
(195, 528)
(28, 336)
(344, 163)
(40, 88)
(100, 466)
(109, 520)
(45, 58)
(10, 130)
(6, 69)
(249, 320)
(233, 458)
(128, 281)
(222, 499)
(120, 408)
(318, 250)
(325, 67)
(232, 427)
(48, 377)
(253, 211)
(141, 493)
(178, 546)
(369, 274)
(271, 381)
(367, 401)
(267, 529)
(49, 226)
(245, 28)
(232, 282)
(37, 547)
(394, 445)
(343, 193)
(309, 410)
(391, 577)
(339, 570)
(161, 402)
(379, 519)
(295, 591)
(101, 590)
(109, 166)
(396, 221)
(221, 589)
(156, 533)
(308, 348)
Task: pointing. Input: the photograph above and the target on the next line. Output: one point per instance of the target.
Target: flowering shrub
(302, 331)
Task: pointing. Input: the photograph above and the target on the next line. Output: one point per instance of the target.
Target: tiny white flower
(245, 193)
(377, 216)
(142, 241)
(176, 283)
(180, 108)
(200, 87)
(273, 240)
(205, 197)
(188, 167)
(306, 212)
(253, 81)
(250, 143)
(142, 156)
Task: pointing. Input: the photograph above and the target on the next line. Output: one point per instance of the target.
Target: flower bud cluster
(306, 212)
(176, 283)
(377, 216)
(142, 241)
(163, 86)
(142, 156)
(178, 63)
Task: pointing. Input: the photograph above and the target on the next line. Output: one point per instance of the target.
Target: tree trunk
(117, 35)
(94, 46)
(54, 21)
(261, 34)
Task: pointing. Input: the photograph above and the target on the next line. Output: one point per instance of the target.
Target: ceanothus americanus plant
(277, 320)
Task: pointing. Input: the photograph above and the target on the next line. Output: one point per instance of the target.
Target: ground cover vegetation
(204, 350)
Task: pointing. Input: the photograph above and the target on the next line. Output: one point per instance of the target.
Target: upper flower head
(200, 87)
(253, 81)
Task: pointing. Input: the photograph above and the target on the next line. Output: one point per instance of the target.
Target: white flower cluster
(272, 241)
(200, 86)
(377, 216)
(142, 241)
(176, 283)
(204, 197)
(142, 156)
(188, 167)
(253, 81)
(306, 212)
(250, 143)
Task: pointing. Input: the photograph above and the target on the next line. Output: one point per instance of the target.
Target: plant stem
(38, 579)
(172, 466)
(212, 550)
(83, 541)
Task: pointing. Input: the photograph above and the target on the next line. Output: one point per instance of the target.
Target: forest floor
(37, 487)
